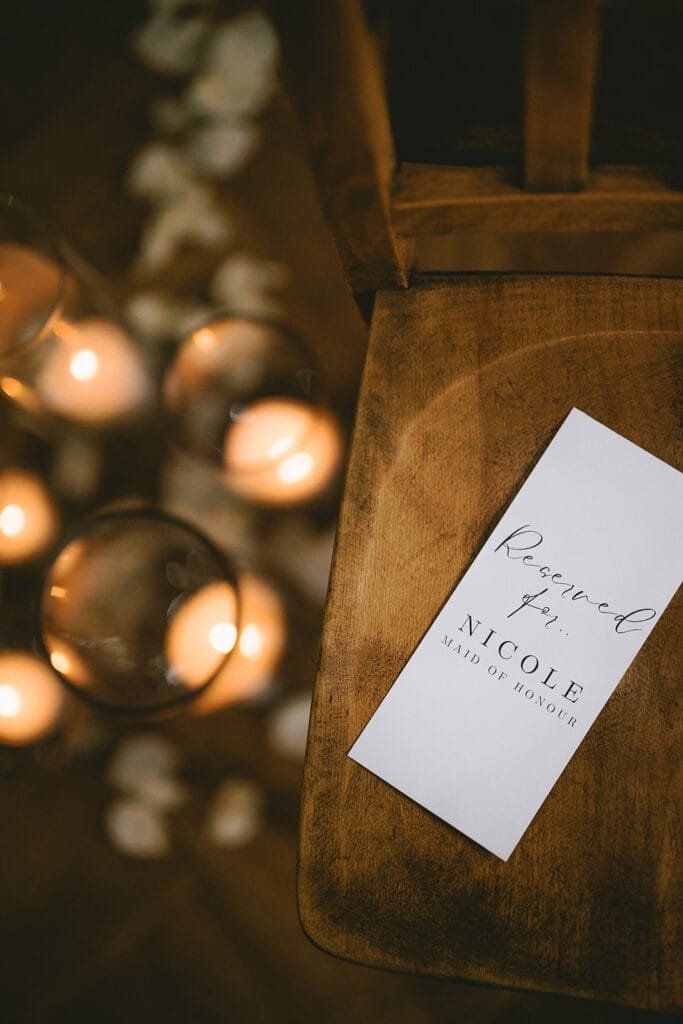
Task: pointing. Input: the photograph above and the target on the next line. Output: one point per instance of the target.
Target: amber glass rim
(315, 396)
(49, 245)
(159, 515)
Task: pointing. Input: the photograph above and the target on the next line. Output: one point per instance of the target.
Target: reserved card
(531, 643)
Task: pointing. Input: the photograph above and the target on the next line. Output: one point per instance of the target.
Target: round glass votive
(241, 394)
(31, 699)
(139, 611)
(63, 351)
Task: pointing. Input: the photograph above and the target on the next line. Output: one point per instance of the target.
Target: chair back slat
(334, 79)
(377, 207)
(560, 62)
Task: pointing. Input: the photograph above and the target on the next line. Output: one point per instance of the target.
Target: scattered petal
(240, 76)
(140, 757)
(160, 792)
(242, 270)
(77, 468)
(194, 217)
(248, 282)
(170, 46)
(159, 172)
(156, 315)
(223, 150)
(235, 813)
(212, 97)
(151, 313)
(136, 829)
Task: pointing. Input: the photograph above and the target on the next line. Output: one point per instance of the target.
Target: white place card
(520, 660)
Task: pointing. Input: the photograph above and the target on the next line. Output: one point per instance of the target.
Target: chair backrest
(376, 206)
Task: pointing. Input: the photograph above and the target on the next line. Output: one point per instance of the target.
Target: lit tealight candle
(259, 648)
(281, 451)
(31, 699)
(200, 633)
(93, 373)
(28, 519)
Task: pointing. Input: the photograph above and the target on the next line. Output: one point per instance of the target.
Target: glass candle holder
(63, 351)
(242, 394)
(139, 611)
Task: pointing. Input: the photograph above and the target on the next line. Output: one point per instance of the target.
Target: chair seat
(466, 380)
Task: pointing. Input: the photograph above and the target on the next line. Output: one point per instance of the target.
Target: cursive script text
(517, 547)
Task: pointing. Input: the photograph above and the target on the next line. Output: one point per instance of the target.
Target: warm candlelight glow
(281, 451)
(31, 699)
(20, 394)
(28, 519)
(201, 633)
(260, 646)
(65, 660)
(11, 387)
(60, 662)
(84, 364)
(12, 520)
(93, 373)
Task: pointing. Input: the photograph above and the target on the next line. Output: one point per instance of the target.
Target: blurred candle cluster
(61, 353)
(139, 611)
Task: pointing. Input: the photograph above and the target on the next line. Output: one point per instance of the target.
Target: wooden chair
(466, 378)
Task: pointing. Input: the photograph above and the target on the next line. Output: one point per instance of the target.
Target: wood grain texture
(560, 59)
(435, 200)
(334, 78)
(466, 381)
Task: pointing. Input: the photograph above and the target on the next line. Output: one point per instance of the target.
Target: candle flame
(201, 631)
(84, 364)
(251, 641)
(260, 645)
(10, 702)
(222, 637)
(12, 520)
(295, 468)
